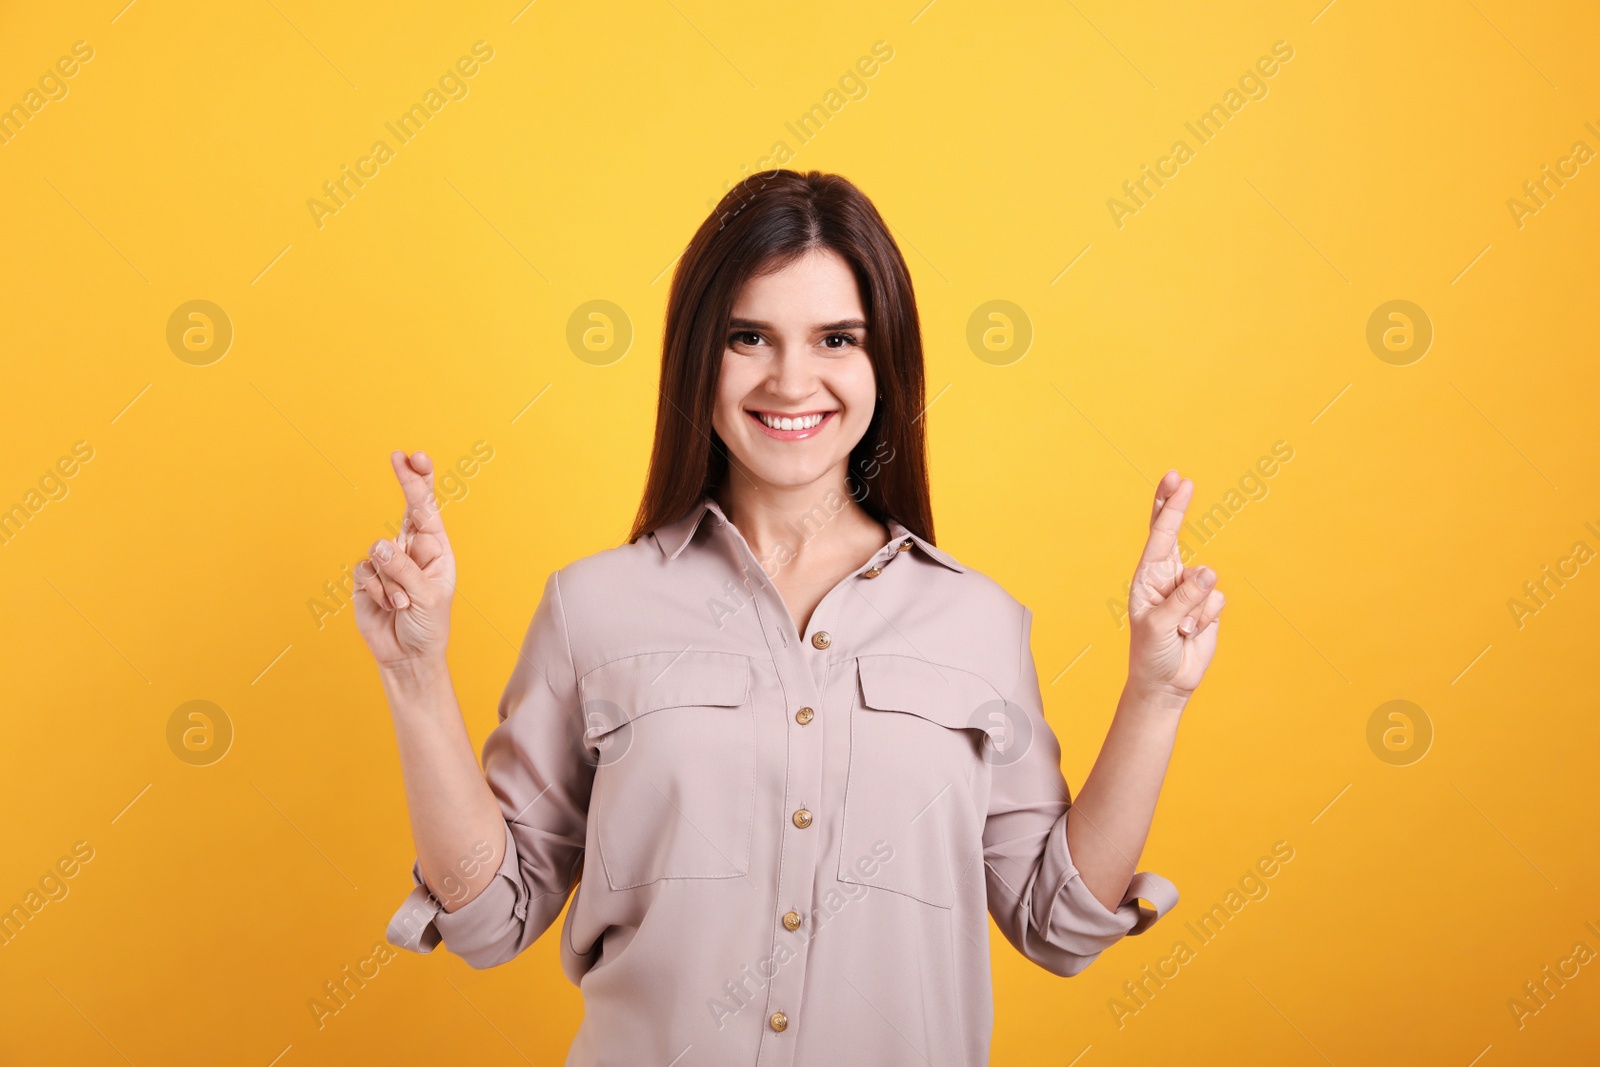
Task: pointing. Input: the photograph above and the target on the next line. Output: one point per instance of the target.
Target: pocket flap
(620, 691)
(949, 696)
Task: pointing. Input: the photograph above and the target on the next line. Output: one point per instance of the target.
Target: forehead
(818, 286)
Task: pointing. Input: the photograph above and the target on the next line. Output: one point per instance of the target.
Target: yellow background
(1228, 314)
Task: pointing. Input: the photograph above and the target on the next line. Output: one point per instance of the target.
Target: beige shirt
(789, 843)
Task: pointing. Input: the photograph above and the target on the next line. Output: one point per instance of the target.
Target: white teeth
(804, 422)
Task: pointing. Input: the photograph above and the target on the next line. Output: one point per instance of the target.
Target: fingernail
(383, 550)
(400, 599)
(1186, 625)
(1208, 577)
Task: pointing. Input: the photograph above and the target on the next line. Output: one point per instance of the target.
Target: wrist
(1153, 697)
(410, 678)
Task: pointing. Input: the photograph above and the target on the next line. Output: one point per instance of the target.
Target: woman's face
(796, 351)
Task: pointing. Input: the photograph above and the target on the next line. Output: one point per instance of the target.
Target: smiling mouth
(790, 427)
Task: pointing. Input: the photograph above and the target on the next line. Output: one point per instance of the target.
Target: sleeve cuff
(1078, 922)
(421, 922)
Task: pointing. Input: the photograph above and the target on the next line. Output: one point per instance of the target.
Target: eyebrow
(842, 324)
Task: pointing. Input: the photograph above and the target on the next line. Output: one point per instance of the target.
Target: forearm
(456, 822)
(1110, 818)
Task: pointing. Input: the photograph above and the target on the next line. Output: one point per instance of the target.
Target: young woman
(794, 751)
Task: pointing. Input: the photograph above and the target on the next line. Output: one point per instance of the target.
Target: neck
(793, 521)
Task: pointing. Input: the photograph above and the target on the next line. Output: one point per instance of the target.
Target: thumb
(1186, 599)
(401, 570)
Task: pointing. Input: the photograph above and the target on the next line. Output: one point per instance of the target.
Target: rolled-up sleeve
(534, 761)
(1036, 895)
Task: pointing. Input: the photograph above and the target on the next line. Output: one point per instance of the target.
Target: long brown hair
(762, 224)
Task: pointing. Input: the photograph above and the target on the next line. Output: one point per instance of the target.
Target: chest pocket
(917, 781)
(672, 739)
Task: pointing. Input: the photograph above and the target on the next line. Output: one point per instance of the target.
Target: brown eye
(745, 337)
(848, 339)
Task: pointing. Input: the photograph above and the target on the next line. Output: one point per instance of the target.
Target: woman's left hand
(1172, 609)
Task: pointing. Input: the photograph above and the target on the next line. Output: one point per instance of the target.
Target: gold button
(904, 545)
(791, 921)
(872, 573)
(804, 715)
(802, 818)
(820, 639)
(779, 1021)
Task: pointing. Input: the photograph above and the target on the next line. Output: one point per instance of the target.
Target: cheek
(732, 388)
(858, 389)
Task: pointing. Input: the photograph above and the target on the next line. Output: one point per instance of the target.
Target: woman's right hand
(404, 587)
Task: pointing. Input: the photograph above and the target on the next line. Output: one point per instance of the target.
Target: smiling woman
(719, 731)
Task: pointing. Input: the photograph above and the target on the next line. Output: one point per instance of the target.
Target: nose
(792, 378)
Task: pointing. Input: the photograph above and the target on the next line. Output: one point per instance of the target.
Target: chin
(786, 476)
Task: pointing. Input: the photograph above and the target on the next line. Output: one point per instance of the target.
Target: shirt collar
(673, 537)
